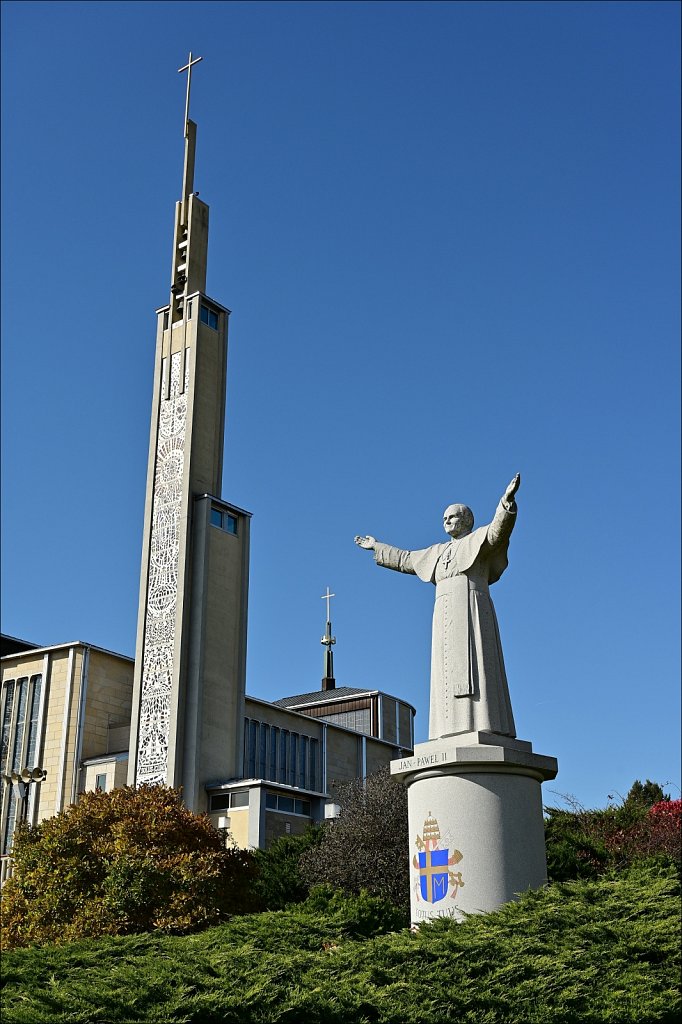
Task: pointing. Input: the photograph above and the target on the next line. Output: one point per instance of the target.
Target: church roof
(321, 696)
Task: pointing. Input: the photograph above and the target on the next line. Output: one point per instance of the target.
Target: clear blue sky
(449, 235)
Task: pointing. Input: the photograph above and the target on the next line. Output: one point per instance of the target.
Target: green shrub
(586, 952)
(279, 880)
(132, 860)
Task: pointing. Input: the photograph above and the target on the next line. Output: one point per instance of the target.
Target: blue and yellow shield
(433, 875)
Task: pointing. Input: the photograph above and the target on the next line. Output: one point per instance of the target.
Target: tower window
(209, 317)
(101, 782)
(224, 521)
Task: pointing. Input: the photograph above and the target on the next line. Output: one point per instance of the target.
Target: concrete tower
(188, 697)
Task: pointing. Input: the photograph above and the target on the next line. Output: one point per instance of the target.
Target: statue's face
(457, 520)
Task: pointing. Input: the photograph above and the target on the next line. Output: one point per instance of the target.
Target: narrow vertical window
(284, 744)
(274, 744)
(21, 721)
(263, 750)
(314, 755)
(101, 782)
(291, 779)
(253, 727)
(245, 765)
(303, 762)
(6, 725)
(32, 744)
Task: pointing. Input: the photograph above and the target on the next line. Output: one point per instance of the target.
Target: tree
(645, 794)
(132, 860)
(366, 847)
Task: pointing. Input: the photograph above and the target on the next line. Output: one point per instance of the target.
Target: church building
(75, 717)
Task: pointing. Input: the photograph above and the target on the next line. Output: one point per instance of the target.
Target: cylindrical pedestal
(475, 825)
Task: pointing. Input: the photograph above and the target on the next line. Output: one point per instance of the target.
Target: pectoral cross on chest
(448, 558)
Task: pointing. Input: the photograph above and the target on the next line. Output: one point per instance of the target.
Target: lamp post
(21, 783)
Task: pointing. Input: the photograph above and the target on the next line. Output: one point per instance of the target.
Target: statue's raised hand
(513, 487)
(366, 542)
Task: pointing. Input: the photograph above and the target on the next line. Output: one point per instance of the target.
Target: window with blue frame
(224, 521)
(209, 317)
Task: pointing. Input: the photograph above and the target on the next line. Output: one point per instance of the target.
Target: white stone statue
(469, 690)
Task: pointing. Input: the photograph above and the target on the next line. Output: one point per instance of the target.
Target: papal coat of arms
(433, 864)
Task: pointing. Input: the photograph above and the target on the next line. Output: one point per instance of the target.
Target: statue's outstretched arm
(387, 556)
(505, 515)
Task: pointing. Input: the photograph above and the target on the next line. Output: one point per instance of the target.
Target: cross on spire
(326, 597)
(188, 68)
(328, 681)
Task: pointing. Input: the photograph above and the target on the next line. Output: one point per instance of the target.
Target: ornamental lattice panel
(162, 583)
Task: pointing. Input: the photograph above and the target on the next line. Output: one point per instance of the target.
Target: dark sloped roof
(13, 645)
(320, 696)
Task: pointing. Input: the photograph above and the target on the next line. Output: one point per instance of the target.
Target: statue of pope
(469, 690)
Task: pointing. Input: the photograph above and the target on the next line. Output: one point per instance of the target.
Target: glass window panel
(262, 750)
(6, 723)
(314, 754)
(213, 320)
(216, 517)
(359, 721)
(33, 722)
(230, 523)
(285, 803)
(274, 744)
(245, 768)
(291, 779)
(271, 801)
(220, 802)
(253, 730)
(101, 783)
(21, 719)
(303, 807)
(283, 750)
(239, 799)
(303, 761)
(204, 314)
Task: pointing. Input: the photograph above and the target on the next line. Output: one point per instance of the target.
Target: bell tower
(190, 658)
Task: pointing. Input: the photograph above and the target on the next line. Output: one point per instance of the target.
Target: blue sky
(449, 235)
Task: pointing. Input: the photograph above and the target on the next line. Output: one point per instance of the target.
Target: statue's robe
(469, 690)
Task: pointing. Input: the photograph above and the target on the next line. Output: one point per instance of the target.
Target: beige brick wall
(239, 826)
(108, 702)
(62, 702)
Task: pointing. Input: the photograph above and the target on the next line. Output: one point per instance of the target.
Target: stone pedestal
(475, 822)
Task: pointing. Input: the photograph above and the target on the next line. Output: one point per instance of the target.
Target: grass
(598, 952)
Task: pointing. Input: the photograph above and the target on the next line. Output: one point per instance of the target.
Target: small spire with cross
(191, 222)
(190, 134)
(328, 681)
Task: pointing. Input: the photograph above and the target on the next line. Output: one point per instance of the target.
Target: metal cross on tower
(188, 68)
